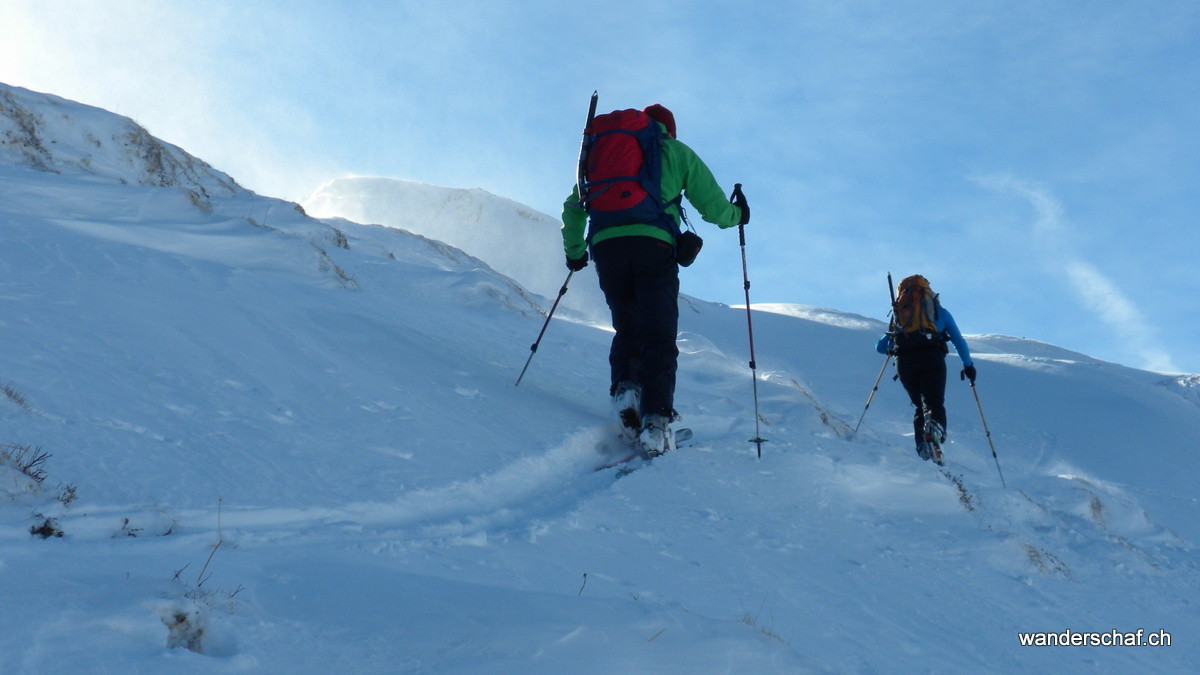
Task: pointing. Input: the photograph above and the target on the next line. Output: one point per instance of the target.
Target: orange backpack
(916, 307)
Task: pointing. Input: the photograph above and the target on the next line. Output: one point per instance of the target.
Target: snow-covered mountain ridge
(52, 134)
(302, 436)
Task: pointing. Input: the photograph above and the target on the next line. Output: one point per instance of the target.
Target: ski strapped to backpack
(915, 312)
(581, 173)
(623, 175)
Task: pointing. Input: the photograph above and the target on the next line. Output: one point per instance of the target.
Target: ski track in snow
(1045, 528)
(510, 497)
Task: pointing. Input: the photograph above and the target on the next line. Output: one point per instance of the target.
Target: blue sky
(1038, 161)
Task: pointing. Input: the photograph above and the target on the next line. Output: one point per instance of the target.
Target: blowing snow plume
(514, 239)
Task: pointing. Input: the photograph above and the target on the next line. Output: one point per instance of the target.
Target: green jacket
(683, 172)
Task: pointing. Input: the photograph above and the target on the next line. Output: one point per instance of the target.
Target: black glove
(739, 200)
(968, 373)
(576, 264)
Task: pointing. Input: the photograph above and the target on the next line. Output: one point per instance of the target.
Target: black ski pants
(640, 280)
(923, 374)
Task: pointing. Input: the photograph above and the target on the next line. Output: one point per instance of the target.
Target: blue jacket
(946, 325)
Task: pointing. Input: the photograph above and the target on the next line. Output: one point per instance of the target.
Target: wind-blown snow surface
(516, 241)
(304, 438)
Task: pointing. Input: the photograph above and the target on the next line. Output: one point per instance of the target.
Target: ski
(936, 453)
(683, 438)
(932, 452)
(933, 448)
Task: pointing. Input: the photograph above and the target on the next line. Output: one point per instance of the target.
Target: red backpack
(622, 183)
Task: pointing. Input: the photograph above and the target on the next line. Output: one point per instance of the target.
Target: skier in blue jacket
(921, 329)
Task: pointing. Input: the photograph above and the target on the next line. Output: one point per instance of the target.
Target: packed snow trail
(533, 486)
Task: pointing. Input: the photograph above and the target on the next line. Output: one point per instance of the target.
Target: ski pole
(891, 329)
(758, 440)
(989, 436)
(581, 185)
(533, 348)
(873, 390)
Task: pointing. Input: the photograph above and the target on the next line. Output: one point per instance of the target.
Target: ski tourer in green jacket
(637, 269)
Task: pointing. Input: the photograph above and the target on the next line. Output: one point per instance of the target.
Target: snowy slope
(331, 406)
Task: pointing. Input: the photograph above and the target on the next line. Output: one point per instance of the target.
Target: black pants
(640, 280)
(923, 374)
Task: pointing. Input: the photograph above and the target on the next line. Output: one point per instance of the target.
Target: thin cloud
(1115, 309)
(1098, 293)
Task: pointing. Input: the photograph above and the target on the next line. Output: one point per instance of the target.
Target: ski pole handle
(733, 199)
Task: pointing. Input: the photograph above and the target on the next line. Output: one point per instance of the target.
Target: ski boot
(935, 435)
(627, 405)
(656, 436)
